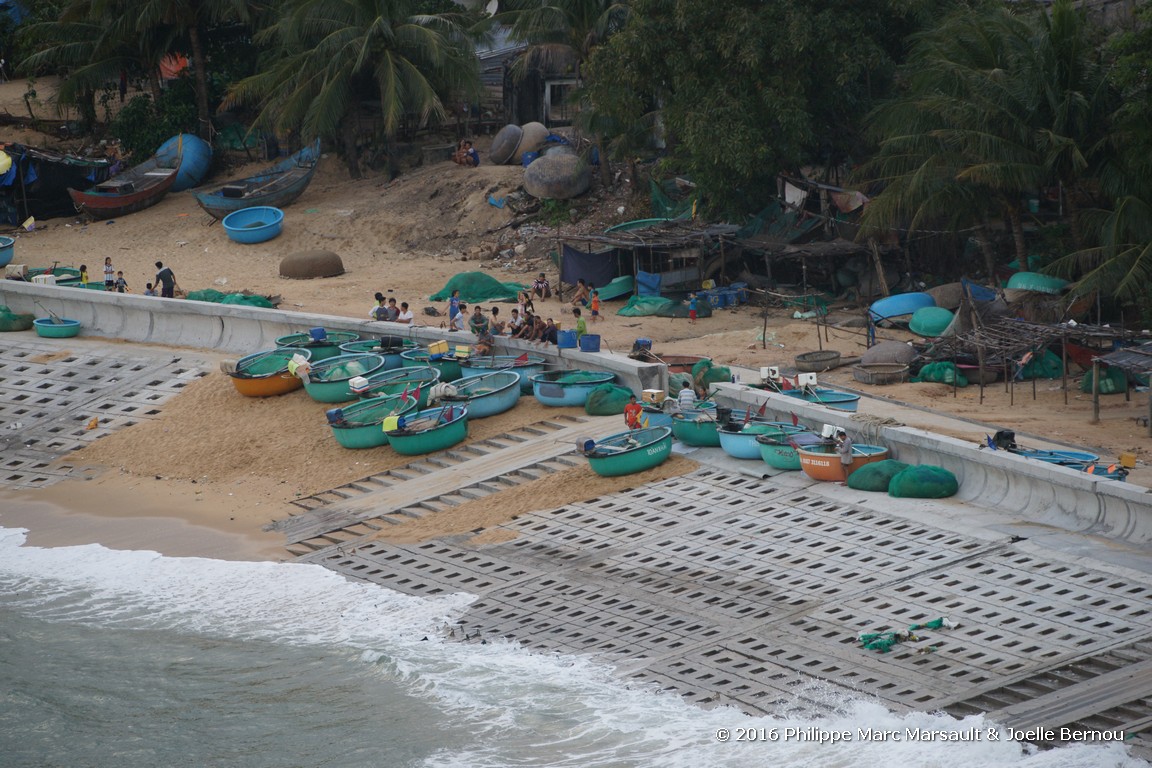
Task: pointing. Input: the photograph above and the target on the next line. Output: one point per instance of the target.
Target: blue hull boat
(901, 306)
(841, 401)
(525, 369)
(560, 388)
(277, 186)
(486, 395)
(738, 440)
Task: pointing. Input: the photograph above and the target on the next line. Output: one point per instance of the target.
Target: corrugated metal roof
(1130, 359)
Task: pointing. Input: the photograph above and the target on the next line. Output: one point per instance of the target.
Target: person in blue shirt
(466, 155)
(453, 305)
(692, 308)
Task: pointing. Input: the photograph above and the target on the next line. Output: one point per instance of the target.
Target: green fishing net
(876, 476)
(923, 482)
(607, 400)
(1112, 380)
(941, 373)
(475, 287)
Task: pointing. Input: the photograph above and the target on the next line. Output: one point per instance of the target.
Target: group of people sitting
(388, 311)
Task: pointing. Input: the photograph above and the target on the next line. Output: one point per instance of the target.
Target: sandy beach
(224, 464)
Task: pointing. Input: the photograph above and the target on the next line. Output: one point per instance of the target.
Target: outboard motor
(1004, 439)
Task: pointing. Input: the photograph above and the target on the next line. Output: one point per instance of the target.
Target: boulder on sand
(305, 265)
(557, 177)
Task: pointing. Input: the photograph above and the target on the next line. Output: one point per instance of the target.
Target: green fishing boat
(626, 453)
(430, 430)
(697, 427)
(321, 342)
(418, 381)
(329, 381)
(363, 423)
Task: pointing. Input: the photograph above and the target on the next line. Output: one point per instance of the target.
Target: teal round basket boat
(832, 398)
(430, 430)
(389, 347)
(7, 250)
(363, 423)
(329, 381)
(56, 327)
(738, 440)
(418, 381)
(560, 388)
(448, 366)
(526, 366)
(778, 449)
(697, 427)
(486, 395)
(626, 453)
(327, 345)
(254, 225)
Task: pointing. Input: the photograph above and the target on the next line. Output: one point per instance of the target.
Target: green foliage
(554, 212)
(746, 89)
(142, 127)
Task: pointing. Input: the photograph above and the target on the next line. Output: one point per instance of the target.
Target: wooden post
(878, 266)
(980, 369)
(1095, 391)
(764, 333)
(819, 340)
(1064, 364)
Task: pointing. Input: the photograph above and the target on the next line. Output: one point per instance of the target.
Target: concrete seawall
(241, 330)
(1032, 490)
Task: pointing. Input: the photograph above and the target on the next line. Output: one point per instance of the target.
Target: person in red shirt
(632, 413)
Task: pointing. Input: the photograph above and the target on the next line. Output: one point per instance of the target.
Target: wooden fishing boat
(363, 423)
(833, 398)
(329, 381)
(697, 427)
(430, 430)
(626, 453)
(322, 345)
(738, 439)
(560, 388)
(418, 381)
(486, 395)
(277, 185)
(388, 347)
(526, 366)
(128, 192)
(822, 462)
(778, 449)
(448, 365)
(265, 374)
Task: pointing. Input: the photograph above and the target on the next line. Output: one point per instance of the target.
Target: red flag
(417, 395)
(522, 359)
(795, 420)
(404, 395)
(1111, 468)
(763, 408)
(748, 415)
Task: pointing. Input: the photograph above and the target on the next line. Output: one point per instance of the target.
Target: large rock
(557, 177)
(888, 352)
(305, 265)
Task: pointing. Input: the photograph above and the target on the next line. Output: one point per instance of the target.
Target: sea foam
(520, 707)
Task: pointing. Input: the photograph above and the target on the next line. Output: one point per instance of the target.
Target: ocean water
(129, 658)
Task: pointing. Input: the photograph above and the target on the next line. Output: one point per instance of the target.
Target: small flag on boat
(645, 422)
(1111, 468)
(990, 442)
(795, 420)
(417, 395)
(522, 359)
(1090, 469)
(763, 408)
(404, 394)
(748, 415)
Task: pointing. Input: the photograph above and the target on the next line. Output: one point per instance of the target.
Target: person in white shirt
(687, 397)
(405, 317)
(515, 323)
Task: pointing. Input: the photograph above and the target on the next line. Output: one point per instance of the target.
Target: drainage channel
(727, 589)
(54, 390)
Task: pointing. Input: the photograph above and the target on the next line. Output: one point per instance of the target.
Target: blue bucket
(590, 342)
(566, 339)
(642, 344)
(318, 334)
(527, 158)
(741, 292)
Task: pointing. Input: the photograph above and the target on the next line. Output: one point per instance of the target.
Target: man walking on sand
(167, 280)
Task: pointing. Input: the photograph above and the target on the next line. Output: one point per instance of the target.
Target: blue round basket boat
(7, 250)
(254, 225)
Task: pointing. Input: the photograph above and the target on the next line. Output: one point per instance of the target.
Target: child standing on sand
(581, 326)
(149, 290)
(692, 309)
(109, 274)
(595, 304)
(121, 283)
(84, 275)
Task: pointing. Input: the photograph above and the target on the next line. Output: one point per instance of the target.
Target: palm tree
(998, 105)
(329, 56)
